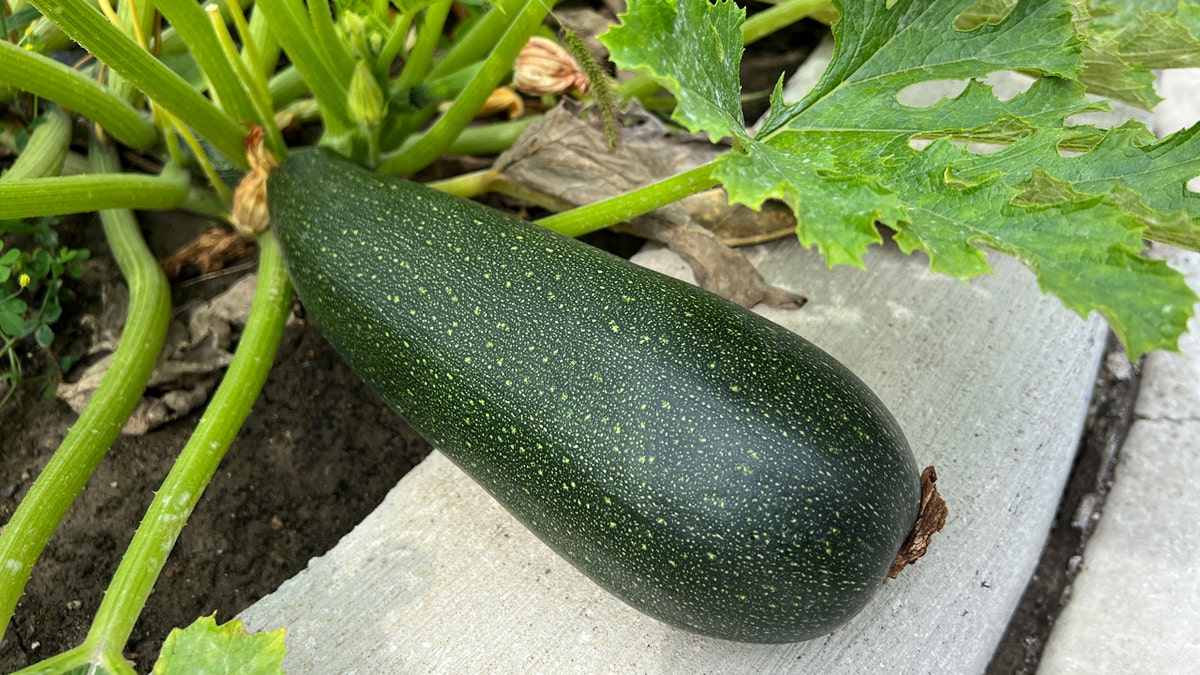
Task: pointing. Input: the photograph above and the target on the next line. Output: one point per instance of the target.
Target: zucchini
(707, 466)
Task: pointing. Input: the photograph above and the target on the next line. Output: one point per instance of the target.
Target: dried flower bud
(543, 67)
(250, 215)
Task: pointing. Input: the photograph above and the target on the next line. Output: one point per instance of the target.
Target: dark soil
(318, 453)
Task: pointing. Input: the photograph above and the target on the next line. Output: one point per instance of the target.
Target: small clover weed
(31, 294)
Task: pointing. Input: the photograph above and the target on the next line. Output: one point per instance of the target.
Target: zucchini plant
(1072, 201)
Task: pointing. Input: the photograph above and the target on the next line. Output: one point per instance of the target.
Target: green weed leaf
(44, 335)
(12, 317)
(1072, 203)
(205, 647)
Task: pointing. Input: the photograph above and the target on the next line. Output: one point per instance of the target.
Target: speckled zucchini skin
(706, 465)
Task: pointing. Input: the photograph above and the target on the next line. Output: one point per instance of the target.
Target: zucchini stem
(42, 509)
(181, 489)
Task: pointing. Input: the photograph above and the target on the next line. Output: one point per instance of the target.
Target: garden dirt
(317, 454)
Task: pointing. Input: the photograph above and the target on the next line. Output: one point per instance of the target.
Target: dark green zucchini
(704, 464)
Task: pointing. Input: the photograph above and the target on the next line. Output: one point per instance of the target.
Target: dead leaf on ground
(568, 159)
(738, 224)
(197, 349)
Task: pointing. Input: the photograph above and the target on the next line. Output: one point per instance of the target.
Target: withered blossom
(543, 67)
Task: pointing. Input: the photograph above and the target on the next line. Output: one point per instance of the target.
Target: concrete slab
(990, 381)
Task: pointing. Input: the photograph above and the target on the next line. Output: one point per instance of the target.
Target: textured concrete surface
(1135, 606)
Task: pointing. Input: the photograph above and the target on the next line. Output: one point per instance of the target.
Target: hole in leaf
(984, 13)
(925, 94)
(1008, 84)
(1106, 119)
(1193, 185)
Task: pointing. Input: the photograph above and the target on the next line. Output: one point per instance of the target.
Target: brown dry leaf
(738, 224)
(210, 252)
(569, 160)
(198, 347)
(930, 520)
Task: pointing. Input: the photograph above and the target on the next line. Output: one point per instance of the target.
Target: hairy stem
(602, 214)
(780, 16)
(194, 26)
(60, 195)
(46, 151)
(433, 144)
(42, 509)
(51, 80)
(290, 25)
(106, 42)
(192, 472)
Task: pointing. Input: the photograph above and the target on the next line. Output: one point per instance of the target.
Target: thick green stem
(46, 151)
(286, 86)
(260, 39)
(330, 44)
(397, 34)
(183, 486)
(135, 19)
(251, 81)
(51, 495)
(60, 195)
(490, 139)
(194, 26)
(600, 215)
(51, 80)
(106, 42)
(498, 64)
(420, 59)
(291, 27)
(474, 46)
(780, 16)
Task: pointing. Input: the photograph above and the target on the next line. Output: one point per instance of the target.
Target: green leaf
(1086, 249)
(1072, 203)
(1126, 40)
(12, 317)
(205, 647)
(695, 48)
(44, 335)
